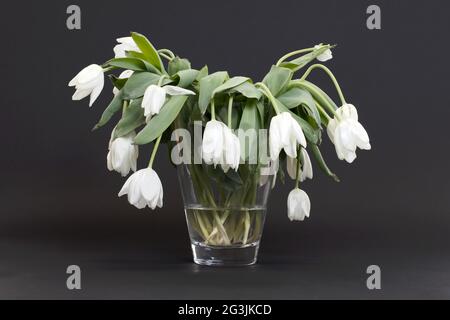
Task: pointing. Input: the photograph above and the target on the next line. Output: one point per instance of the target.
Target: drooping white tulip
(144, 188)
(213, 142)
(325, 56)
(306, 171)
(298, 204)
(88, 81)
(124, 75)
(155, 96)
(125, 44)
(232, 150)
(347, 133)
(285, 133)
(123, 154)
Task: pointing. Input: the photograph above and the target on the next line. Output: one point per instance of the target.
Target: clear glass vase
(225, 212)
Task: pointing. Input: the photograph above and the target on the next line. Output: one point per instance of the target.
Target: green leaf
(134, 64)
(114, 106)
(248, 90)
(186, 77)
(262, 113)
(317, 93)
(202, 73)
(117, 82)
(137, 83)
(295, 97)
(140, 56)
(277, 79)
(132, 118)
(322, 165)
(207, 86)
(250, 120)
(148, 50)
(178, 64)
(302, 61)
(159, 123)
(311, 134)
(230, 83)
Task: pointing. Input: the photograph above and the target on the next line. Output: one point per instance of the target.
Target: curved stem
(268, 94)
(322, 110)
(155, 148)
(230, 109)
(293, 53)
(297, 172)
(166, 52)
(330, 74)
(161, 79)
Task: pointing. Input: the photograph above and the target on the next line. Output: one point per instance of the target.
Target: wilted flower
(285, 133)
(298, 205)
(325, 56)
(123, 154)
(144, 188)
(155, 96)
(88, 81)
(125, 44)
(347, 133)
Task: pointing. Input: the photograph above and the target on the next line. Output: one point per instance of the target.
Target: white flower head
(325, 56)
(213, 142)
(231, 151)
(347, 134)
(125, 44)
(88, 81)
(285, 133)
(144, 188)
(155, 96)
(298, 204)
(306, 171)
(124, 75)
(123, 154)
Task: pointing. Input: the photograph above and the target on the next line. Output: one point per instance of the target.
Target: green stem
(155, 148)
(293, 53)
(165, 52)
(322, 110)
(124, 106)
(297, 172)
(213, 110)
(230, 109)
(266, 91)
(330, 74)
(161, 79)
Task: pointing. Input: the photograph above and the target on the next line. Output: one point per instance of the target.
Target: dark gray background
(58, 202)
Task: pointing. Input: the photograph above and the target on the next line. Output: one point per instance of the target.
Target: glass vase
(225, 212)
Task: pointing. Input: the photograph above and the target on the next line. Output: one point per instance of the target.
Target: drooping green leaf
(295, 97)
(322, 165)
(178, 64)
(159, 123)
(132, 118)
(230, 83)
(137, 83)
(311, 134)
(202, 73)
(117, 82)
(134, 64)
(186, 77)
(303, 60)
(316, 92)
(148, 50)
(277, 79)
(248, 90)
(250, 123)
(114, 106)
(207, 86)
(140, 56)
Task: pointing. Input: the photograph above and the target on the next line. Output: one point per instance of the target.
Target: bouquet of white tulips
(152, 100)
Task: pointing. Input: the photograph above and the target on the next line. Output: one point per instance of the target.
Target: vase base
(225, 255)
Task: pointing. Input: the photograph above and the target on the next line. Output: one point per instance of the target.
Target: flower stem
(161, 79)
(297, 172)
(213, 110)
(322, 110)
(166, 53)
(230, 109)
(330, 74)
(155, 148)
(266, 91)
(293, 53)
(124, 106)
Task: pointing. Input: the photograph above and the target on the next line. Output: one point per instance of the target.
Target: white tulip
(124, 75)
(232, 150)
(306, 171)
(144, 188)
(325, 56)
(285, 133)
(125, 44)
(298, 205)
(347, 134)
(123, 154)
(213, 142)
(155, 96)
(88, 81)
